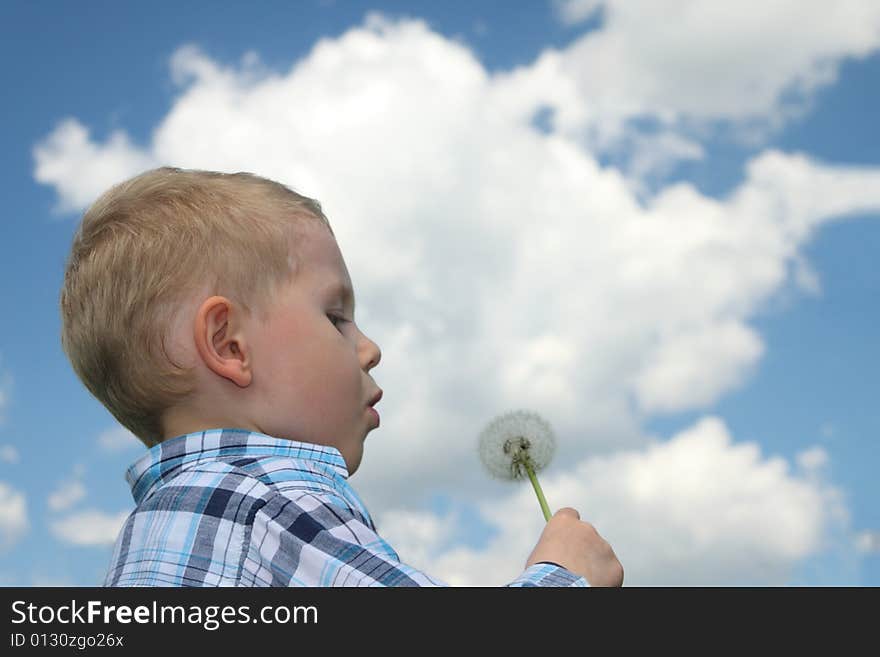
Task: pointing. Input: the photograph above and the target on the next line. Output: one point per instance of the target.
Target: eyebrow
(340, 289)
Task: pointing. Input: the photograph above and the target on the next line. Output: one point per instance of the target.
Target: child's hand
(576, 545)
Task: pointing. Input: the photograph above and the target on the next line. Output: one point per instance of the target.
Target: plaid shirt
(229, 507)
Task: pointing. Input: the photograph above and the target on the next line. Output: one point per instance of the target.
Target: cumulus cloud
(89, 527)
(682, 66)
(13, 516)
(416, 536)
(709, 61)
(813, 459)
(697, 509)
(70, 492)
(81, 169)
(85, 527)
(675, 376)
(572, 12)
(500, 266)
(66, 495)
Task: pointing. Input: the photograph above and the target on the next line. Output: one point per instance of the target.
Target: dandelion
(516, 445)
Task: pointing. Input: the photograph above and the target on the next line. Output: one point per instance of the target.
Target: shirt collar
(170, 457)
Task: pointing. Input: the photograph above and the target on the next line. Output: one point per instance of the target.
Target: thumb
(568, 512)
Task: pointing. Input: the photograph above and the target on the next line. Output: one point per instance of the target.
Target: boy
(213, 315)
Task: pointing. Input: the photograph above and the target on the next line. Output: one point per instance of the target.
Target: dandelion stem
(540, 493)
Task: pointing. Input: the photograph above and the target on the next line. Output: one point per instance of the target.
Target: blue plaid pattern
(230, 507)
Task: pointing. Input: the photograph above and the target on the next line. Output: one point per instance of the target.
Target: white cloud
(695, 367)
(684, 64)
(653, 156)
(806, 278)
(70, 492)
(80, 169)
(698, 509)
(89, 527)
(13, 516)
(9, 454)
(117, 439)
(573, 12)
(416, 536)
(497, 266)
(712, 61)
(813, 459)
(66, 495)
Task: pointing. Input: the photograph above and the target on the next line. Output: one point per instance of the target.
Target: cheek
(312, 358)
(342, 371)
(331, 360)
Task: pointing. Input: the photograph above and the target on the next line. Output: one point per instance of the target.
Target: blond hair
(142, 249)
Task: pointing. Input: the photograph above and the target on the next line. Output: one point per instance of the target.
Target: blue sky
(809, 389)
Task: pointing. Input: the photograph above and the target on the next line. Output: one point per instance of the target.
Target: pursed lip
(375, 399)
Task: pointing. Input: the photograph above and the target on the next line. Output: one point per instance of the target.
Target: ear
(221, 342)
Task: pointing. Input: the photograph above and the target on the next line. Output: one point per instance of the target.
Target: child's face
(311, 362)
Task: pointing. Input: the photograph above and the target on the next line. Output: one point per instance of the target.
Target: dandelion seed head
(511, 439)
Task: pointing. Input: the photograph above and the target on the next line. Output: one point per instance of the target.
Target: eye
(336, 321)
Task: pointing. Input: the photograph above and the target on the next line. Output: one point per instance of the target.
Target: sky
(654, 223)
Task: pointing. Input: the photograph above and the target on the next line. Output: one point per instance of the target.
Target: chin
(354, 464)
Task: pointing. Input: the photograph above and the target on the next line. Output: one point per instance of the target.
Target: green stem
(540, 493)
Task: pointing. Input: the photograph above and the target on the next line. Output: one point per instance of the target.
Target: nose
(370, 354)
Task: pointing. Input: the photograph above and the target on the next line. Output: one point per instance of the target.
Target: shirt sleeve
(300, 539)
(548, 574)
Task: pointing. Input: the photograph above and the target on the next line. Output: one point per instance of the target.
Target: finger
(568, 511)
